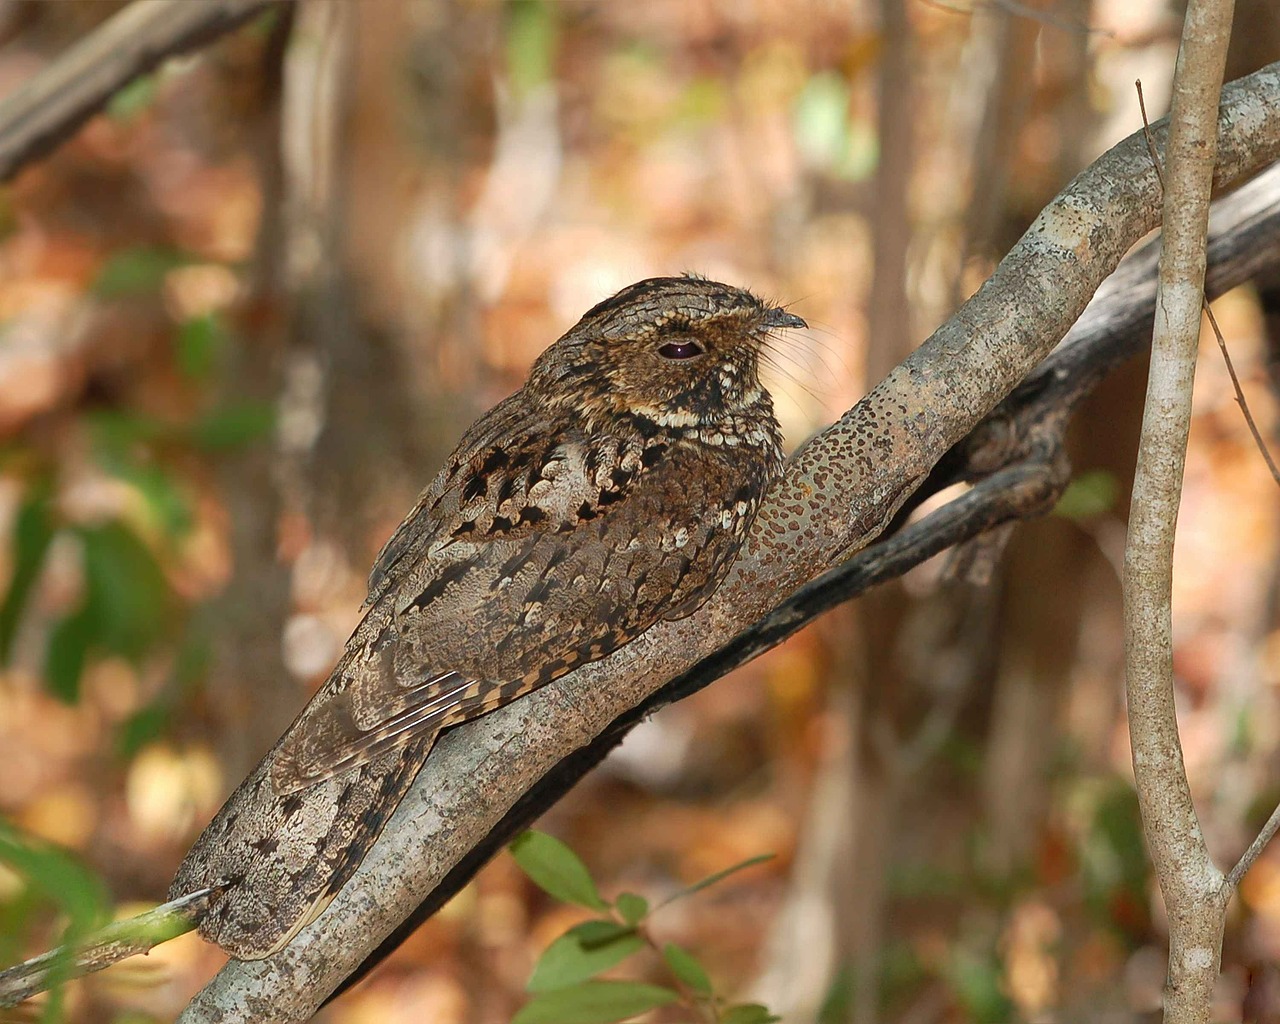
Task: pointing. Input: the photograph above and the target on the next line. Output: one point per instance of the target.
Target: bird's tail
(277, 861)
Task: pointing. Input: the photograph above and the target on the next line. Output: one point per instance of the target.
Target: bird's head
(679, 351)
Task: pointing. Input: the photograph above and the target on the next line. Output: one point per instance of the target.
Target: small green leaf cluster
(50, 875)
(126, 606)
(564, 985)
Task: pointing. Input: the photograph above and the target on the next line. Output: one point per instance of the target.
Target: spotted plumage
(611, 492)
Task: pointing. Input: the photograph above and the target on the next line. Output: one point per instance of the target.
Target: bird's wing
(510, 572)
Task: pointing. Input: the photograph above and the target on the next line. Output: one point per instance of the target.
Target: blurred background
(246, 311)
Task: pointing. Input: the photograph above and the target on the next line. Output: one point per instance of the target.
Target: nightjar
(610, 492)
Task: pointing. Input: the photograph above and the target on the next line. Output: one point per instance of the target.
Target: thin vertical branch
(1192, 885)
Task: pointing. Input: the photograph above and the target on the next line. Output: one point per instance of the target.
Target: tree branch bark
(50, 107)
(1192, 885)
(839, 492)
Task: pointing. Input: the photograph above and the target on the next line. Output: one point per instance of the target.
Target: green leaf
(68, 649)
(140, 728)
(748, 1013)
(137, 271)
(826, 132)
(719, 876)
(581, 953)
(556, 869)
(594, 1002)
(33, 531)
(1088, 495)
(133, 99)
(822, 119)
(837, 1004)
(531, 43)
(117, 435)
(685, 967)
(975, 981)
(633, 908)
(58, 876)
(128, 599)
(199, 343)
(163, 494)
(597, 933)
(233, 426)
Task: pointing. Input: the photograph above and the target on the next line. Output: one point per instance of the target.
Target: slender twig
(1255, 849)
(1244, 406)
(105, 947)
(1146, 134)
(1190, 882)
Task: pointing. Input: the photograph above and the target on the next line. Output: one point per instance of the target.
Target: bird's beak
(781, 318)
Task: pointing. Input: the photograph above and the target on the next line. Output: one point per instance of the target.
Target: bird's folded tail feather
(276, 860)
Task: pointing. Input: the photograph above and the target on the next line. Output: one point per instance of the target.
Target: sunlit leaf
(33, 531)
(556, 869)
(633, 908)
(581, 953)
(1088, 495)
(164, 496)
(233, 426)
(822, 118)
(826, 132)
(531, 43)
(685, 967)
(594, 1002)
(703, 100)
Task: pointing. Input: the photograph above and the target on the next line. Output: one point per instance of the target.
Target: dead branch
(50, 107)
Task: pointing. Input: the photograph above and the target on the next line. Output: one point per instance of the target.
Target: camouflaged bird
(611, 492)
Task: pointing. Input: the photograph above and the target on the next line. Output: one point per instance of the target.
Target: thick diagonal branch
(839, 492)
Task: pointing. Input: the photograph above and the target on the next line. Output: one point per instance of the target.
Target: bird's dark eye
(680, 350)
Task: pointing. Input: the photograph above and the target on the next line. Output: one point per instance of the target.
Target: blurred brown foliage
(244, 311)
